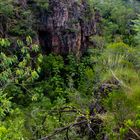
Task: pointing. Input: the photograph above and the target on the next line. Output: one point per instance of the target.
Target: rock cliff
(67, 26)
(63, 27)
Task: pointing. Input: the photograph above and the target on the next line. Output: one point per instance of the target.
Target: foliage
(116, 21)
(43, 4)
(119, 68)
(18, 69)
(96, 96)
(15, 20)
(6, 7)
(137, 29)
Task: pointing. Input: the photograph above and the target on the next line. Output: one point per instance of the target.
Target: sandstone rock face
(66, 26)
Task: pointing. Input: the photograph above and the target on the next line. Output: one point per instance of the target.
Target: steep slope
(59, 26)
(67, 27)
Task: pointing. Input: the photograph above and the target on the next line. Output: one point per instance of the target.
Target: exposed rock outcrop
(63, 27)
(66, 26)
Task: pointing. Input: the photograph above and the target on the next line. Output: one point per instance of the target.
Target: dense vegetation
(49, 96)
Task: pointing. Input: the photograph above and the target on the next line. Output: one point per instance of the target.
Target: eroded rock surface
(66, 26)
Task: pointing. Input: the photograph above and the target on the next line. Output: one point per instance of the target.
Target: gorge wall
(67, 27)
(63, 27)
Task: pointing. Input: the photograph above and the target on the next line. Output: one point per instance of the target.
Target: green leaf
(35, 47)
(28, 40)
(34, 75)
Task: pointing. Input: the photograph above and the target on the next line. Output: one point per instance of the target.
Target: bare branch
(57, 131)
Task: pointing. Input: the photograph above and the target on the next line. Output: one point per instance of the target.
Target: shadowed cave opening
(45, 39)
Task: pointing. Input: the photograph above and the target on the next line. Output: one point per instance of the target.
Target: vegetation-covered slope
(69, 70)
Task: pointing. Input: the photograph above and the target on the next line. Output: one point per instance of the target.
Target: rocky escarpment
(66, 26)
(63, 27)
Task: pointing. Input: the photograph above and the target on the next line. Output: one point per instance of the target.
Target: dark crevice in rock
(45, 41)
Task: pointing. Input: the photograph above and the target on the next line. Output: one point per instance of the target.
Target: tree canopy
(49, 96)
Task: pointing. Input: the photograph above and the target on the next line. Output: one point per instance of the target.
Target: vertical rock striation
(66, 26)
